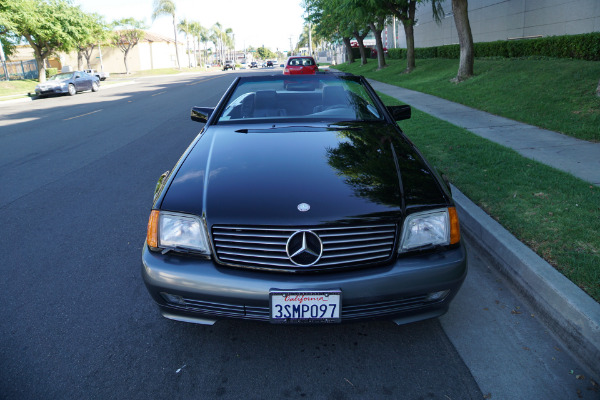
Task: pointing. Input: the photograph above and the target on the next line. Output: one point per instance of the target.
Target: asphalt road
(77, 177)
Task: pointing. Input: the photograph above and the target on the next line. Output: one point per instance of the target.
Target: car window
(60, 77)
(311, 98)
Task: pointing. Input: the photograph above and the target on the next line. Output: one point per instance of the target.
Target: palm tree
(185, 27)
(222, 39)
(167, 7)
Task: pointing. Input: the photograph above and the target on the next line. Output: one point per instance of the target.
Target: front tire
(95, 87)
(72, 90)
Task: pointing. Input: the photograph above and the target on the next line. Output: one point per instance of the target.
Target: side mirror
(399, 113)
(201, 114)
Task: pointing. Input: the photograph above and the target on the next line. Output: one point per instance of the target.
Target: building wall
(502, 19)
(144, 56)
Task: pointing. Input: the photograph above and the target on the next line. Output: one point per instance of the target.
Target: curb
(569, 313)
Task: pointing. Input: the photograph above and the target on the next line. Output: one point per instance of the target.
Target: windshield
(325, 97)
(61, 77)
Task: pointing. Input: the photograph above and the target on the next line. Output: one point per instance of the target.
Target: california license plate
(305, 307)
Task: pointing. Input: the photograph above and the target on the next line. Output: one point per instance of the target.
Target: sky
(254, 22)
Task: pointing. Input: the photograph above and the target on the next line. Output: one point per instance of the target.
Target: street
(78, 175)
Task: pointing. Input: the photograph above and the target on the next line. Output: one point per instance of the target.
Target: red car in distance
(300, 65)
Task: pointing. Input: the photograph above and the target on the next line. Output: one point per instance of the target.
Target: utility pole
(291, 49)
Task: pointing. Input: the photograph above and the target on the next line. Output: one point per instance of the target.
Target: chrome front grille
(265, 247)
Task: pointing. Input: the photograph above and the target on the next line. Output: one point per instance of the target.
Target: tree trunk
(361, 47)
(465, 39)
(349, 53)
(39, 58)
(175, 36)
(379, 45)
(409, 32)
(598, 89)
(125, 53)
(79, 60)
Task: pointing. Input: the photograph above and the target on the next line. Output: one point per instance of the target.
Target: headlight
(177, 232)
(430, 228)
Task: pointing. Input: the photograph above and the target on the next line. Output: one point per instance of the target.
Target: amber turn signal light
(152, 234)
(454, 226)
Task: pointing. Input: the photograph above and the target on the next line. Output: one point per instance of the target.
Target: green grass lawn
(554, 213)
(15, 89)
(554, 94)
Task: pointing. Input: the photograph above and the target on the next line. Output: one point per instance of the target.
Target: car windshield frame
(299, 98)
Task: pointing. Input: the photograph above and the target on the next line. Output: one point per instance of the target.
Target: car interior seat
(333, 96)
(265, 104)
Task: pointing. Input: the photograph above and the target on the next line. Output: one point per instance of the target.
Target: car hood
(260, 176)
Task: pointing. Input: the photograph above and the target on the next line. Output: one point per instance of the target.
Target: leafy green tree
(167, 7)
(373, 14)
(265, 54)
(127, 35)
(331, 21)
(404, 10)
(8, 38)
(96, 31)
(49, 26)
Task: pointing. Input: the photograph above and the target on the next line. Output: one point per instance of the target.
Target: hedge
(584, 47)
(51, 72)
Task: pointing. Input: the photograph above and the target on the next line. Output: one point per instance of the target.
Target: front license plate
(305, 307)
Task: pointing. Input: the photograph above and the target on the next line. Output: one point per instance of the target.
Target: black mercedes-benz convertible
(302, 201)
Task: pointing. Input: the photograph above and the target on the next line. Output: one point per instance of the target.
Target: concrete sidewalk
(577, 157)
(572, 315)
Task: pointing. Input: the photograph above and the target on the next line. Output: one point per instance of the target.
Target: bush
(426, 52)
(51, 72)
(583, 47)
(448, 51)
(397, 54)
(491, 49)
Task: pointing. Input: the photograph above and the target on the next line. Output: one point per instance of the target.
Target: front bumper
(206, 291)
(51, 90)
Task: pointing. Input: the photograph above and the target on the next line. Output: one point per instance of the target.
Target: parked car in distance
(68, 83)
(269, 63)
(229, 65)
(253, 64)
(302, 203)
(100, 74)
(300, 65)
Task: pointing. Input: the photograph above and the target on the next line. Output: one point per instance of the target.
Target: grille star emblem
(304, 248)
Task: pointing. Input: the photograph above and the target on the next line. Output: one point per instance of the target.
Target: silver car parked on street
(68, 83)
